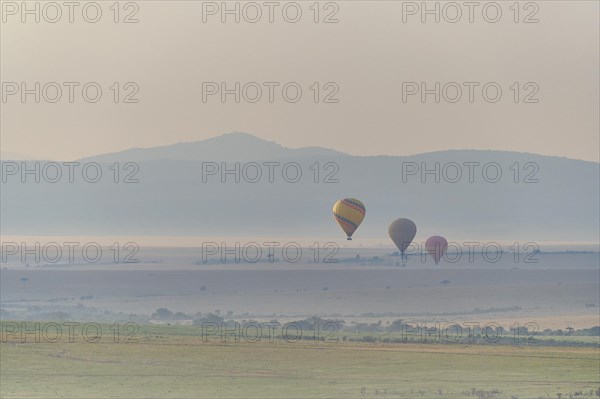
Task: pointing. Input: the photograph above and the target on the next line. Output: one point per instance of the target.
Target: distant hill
(232, 147)
(172, 199)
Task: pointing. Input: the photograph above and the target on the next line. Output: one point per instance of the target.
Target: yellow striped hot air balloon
(349, 213)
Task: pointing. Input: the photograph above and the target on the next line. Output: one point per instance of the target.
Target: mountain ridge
(227, 145)
(261, 149)
(264, 149)
(537, 197)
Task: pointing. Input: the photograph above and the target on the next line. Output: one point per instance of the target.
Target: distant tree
(162, 314)
(210, 318)
(396, 325)
(570, 330)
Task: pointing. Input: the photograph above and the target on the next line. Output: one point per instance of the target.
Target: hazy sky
(367, 55)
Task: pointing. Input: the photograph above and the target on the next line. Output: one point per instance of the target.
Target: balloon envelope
(349, 213)
(402, 232)
(436, 246)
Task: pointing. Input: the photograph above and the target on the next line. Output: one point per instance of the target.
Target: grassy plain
(174, 362)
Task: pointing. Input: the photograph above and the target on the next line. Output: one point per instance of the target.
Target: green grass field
(173, 362)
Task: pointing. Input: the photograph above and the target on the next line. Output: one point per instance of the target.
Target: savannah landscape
(350, 329)
(299, 199)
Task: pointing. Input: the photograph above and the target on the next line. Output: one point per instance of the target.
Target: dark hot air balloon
(402, 231)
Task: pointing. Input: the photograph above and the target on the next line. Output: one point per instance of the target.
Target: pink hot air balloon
(436, 246)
